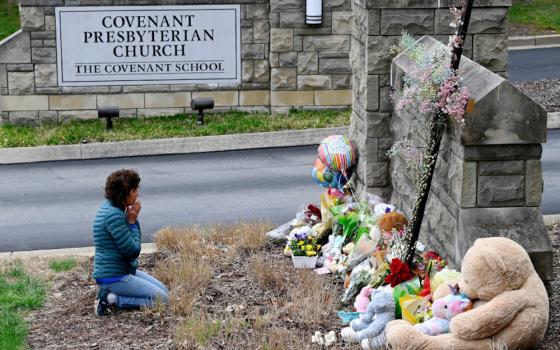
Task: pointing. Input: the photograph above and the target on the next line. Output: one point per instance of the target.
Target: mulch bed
(545, 92)
(67, 320)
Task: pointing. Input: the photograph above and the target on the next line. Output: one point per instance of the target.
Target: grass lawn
(540, 14)
(9, 17)
(18, 293)
(79, 131)
(62, 265)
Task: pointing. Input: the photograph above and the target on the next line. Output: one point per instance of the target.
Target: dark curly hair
(119, 185)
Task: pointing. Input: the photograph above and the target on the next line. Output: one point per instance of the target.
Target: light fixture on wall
(313, 11)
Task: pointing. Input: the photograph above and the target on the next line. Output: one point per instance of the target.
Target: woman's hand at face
(133, 212)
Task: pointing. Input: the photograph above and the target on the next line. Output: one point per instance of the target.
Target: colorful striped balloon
(337, 152)
(325, 177)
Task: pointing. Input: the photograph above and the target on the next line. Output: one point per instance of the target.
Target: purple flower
(387, 210)
(301, 236)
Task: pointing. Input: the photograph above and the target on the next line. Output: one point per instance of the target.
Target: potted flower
(304, 251)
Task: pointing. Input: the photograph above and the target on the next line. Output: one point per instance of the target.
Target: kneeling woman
(116, 235)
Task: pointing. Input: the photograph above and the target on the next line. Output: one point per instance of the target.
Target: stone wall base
(29, 109)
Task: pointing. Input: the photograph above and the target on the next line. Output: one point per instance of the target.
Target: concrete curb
(57, 253)
(533, 42)
(202, 144)
(552, 219)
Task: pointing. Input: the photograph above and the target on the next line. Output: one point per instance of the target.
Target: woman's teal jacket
(117, 244)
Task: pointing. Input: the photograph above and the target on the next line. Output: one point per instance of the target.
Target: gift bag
(411, 306)
(411, 287)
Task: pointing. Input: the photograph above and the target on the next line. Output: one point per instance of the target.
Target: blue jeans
(138, 290)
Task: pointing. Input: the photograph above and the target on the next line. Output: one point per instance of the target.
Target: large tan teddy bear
(511, 304)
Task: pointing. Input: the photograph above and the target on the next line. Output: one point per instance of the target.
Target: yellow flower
(311, 253)
(318, 247)
(309, 247)
(300, 243)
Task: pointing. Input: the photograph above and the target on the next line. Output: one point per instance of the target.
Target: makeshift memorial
(369, 329)
(510, 303)
(443, 310)
(366, 246)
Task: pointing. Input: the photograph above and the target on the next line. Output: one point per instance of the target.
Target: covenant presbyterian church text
(148, 36)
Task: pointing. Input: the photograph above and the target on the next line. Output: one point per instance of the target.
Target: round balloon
(337, 152)
(326, 177)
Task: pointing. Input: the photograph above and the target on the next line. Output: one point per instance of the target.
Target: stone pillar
(309, 64)
(377, 25)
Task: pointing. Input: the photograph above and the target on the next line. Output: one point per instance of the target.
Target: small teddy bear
(369, 329)
(392, 220)
(444, 310)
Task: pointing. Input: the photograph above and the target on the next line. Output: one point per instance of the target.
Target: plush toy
(511, 311)
(382, 208)
(362, 300)
(333, 252)
(392, 220)
(443, 311)
(369, 329)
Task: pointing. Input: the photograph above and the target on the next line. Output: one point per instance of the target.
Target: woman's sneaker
(101, 305)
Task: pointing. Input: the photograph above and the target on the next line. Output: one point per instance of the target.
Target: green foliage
(541, 14)
(19, 292)
(12, 329)
(9, 17)
(78, 131)
(61, 265)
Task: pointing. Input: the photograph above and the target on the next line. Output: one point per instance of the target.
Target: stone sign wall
(284, 63)
(488, 178)
(310, 63)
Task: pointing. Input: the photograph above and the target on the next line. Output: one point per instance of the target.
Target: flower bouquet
(304, 250)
